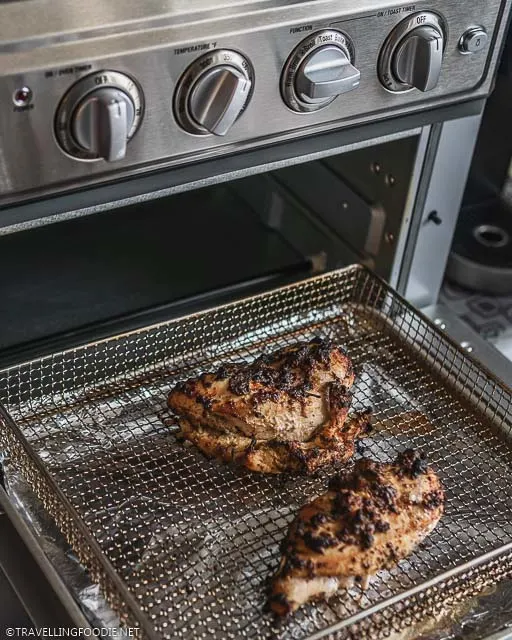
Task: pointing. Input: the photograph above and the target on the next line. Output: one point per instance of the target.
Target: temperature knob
(413, 54)
(318, 70)
(99, 115)
(213, 92)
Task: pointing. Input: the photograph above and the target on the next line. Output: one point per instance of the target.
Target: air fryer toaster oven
(159, 161)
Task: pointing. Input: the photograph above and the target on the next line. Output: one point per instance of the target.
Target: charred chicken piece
(287, 411)
(368, 520)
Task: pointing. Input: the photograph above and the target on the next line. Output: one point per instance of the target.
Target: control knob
(412, 56)
(318, 70)
(213, 92)
(99, 115)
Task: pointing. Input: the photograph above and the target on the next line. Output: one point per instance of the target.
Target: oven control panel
(107, 100)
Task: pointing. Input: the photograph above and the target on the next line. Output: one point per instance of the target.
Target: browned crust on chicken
(287, 411)
(279, 396)
(368, 520)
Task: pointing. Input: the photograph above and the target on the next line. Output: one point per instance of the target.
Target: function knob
(318, 70)
(412, 56)
(99, 115)
(213, 92)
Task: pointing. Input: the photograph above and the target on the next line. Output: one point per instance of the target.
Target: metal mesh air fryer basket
(183, 546)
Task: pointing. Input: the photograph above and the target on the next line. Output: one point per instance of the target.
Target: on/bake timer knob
(101, 123)
(99, 115)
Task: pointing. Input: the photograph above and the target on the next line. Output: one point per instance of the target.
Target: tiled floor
(490, 316)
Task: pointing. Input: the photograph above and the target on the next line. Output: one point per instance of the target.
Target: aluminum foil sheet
(87, 594)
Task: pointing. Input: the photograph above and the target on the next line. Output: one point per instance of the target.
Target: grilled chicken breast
(286, 411)
(369, 519)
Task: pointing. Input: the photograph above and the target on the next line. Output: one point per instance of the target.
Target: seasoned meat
(278, 456)
(279, 396)
(369, 519)
(287, 411)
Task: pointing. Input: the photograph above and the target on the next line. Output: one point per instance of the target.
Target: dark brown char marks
(368, 520)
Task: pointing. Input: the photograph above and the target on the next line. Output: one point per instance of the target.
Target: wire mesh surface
(184, 546)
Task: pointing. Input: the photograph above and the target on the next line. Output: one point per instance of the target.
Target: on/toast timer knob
(99, 115)
(412, 55)
(213, 92)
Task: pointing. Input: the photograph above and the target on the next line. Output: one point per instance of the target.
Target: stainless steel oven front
(108, 105)
(163, 157)
(99, 92)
